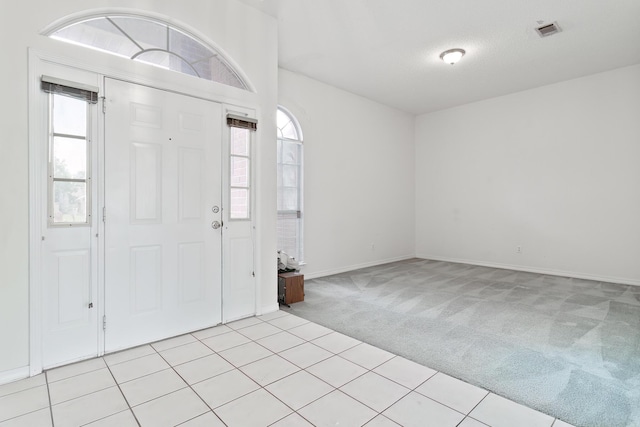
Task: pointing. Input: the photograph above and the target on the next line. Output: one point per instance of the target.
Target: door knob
(215, 225)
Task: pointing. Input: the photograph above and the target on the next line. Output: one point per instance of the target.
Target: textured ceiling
(388, 50)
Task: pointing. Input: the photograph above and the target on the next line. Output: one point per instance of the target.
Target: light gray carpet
(567, 347)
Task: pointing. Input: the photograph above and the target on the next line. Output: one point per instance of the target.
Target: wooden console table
(290, 287)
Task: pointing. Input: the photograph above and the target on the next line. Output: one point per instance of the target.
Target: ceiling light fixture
(452, 56)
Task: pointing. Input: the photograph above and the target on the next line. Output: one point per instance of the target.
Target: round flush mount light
(452, 56)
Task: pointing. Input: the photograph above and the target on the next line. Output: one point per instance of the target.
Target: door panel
(240, 286)
(69, 324)
(72, 291)
(162, 178)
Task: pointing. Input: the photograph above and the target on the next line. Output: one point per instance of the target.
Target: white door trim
(35, 212)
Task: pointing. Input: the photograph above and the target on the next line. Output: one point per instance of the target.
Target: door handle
(215, 225)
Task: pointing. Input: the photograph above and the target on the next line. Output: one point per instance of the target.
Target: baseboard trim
(323, 273)
(14, 375)
(550, 271)
(269, 309)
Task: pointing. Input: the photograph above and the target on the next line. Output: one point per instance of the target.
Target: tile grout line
(20, 391)
(252, 340)
(264, 387)
(75, 375)
(320, 379)
(29, 412)
(128, 360)
(445, 405)
(472, 409)
(238, 368)
(135, 417)
(46, 379)
(192, 389)
(372, 370)
(286, 376)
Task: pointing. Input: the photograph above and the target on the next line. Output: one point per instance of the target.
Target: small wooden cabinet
(290, 287)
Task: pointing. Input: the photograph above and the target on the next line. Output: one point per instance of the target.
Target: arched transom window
(151, 41)
(290, 186)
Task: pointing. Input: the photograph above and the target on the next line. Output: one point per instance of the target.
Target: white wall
(555, 170)
(247, 35)
(358, 176)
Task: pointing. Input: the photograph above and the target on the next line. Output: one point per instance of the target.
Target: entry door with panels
(162, 198)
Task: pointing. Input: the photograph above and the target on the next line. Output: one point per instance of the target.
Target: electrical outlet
(518, 249)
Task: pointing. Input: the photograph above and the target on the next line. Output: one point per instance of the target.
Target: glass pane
(146, 33)
(188, 48)
(279, 176)
(290, 176)
(203, 68)
(69, 158)
(281, 119)
(285, 126)
(69, 202)
(69, 116)
(166, 60)
(289, 131)
(239, 141)
(288, 199)
(99, 34)
(290, 153)
(239, 172)
(239, 203)
(288, 224)
(212, 68)
(279, 150)
(220, 72)
(128, 36)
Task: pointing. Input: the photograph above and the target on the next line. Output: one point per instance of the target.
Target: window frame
(51, 179)
(281, 139)
(231, 67)
(249, 186)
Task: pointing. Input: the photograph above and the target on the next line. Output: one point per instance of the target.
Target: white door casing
(51, 258)
(163, 179)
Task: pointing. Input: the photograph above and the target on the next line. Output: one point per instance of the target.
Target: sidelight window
(240, 174)
(240, 129)
(69, 153)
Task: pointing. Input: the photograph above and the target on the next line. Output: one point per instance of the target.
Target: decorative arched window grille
(151, 41)
(290, 185)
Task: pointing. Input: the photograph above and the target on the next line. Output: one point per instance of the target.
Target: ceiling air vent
(548, 29)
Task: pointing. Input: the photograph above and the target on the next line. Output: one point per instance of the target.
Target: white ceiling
(388, 50)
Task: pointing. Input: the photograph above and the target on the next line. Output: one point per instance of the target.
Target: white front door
(162, 187)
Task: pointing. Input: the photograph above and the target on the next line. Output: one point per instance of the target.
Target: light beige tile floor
(274, 370)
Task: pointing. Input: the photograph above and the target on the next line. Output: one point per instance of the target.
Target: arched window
(290, 185)
(151, 41)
